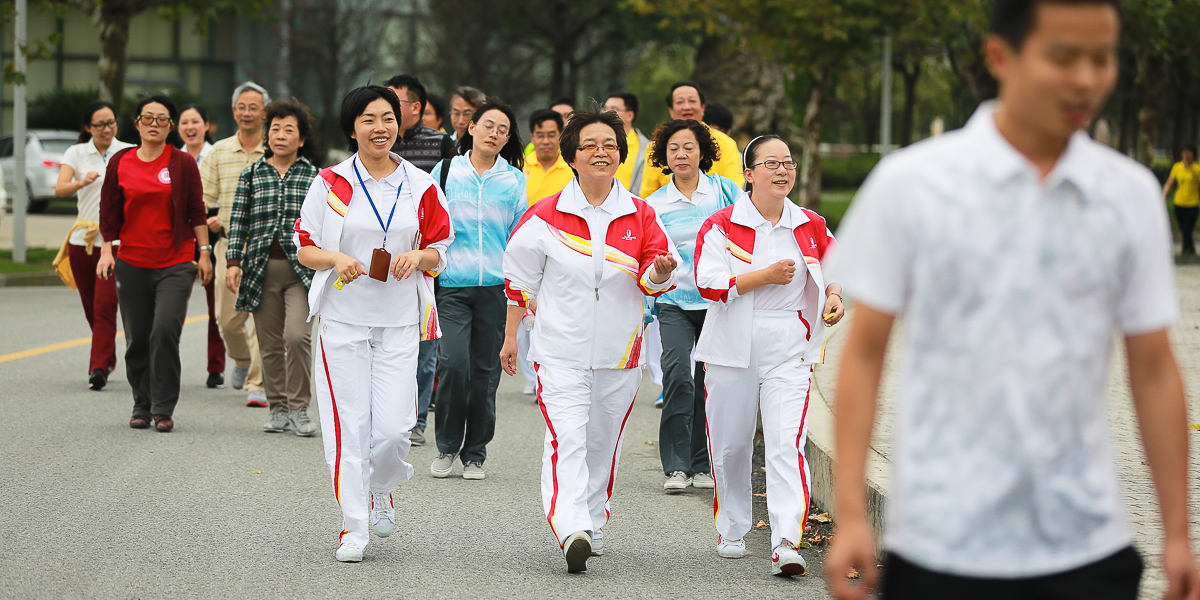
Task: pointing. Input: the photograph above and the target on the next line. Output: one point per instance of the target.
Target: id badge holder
(380, 261)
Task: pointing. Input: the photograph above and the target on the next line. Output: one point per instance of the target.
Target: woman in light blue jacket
(485, 188)
(685, 149)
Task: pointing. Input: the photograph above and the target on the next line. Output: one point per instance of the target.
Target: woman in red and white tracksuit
(760, 339)
(589, 255)
(372, 227)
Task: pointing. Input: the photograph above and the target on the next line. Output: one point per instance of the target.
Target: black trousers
(1186, 217)
(154, 304)
(682, 434)
(472, 320)
(1113, 578)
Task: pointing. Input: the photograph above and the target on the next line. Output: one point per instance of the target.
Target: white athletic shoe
(442, 465)
(677, 482)
(576, 549)
(730, 548)
(598, 542)
(786, 562)
(703, 481)
(348, 552)
(383, 513)
(530, 388)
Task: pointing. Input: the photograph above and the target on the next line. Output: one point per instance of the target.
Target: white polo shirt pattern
(1012, 289)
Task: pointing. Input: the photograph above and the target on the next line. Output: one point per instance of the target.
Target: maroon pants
(216, 345)
(99, 298)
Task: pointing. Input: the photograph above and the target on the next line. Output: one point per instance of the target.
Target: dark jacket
(187, 196)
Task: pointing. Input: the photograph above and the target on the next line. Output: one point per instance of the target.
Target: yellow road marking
(83, 341)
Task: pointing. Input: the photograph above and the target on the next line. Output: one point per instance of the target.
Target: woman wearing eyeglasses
(485, 189)
(153, 203)
(761, 337)
(589, 254)
(82, 174)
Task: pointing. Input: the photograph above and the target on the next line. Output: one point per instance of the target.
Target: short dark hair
(356, 102)
(89, 111)
(679, 84)
(439, 106)
(710, 152)
(750, 154)
(290, 107)
(412, 84)
(630, 100)
(161, 99)
(471, 95)
(542, 115)
(513, 150)
(1014, 19)
(200, 110)
(568, 143)
(1190, 148)
(564, 100)
(718, 115)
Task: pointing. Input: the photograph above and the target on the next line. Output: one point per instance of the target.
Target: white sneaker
(677, 482)
(786, 562)
(442, 465)
(383, 513)
(703, 481)
(730, 548)
(348, 552)
(598, 542)
(530, 388)
(576, 549)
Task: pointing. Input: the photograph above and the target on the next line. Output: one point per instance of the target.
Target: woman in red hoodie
(153, 203)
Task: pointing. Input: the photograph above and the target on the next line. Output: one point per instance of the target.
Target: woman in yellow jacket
(1187, 198)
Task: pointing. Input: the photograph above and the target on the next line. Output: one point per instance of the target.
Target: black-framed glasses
(153, 120)
(104, 125)
(771, 165)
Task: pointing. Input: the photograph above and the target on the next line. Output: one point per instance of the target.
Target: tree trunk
(1152, 77)
(112, 21)
(810, 161)
(911, 77)
(733, 73)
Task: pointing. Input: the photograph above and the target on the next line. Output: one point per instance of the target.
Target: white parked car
(43, 157)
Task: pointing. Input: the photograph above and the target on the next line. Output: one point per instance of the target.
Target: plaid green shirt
(266, 205)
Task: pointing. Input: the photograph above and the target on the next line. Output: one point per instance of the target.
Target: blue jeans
(426, 370)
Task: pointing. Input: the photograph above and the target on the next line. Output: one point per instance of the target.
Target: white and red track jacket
(726, 248)
(324, 213)
(550, 256)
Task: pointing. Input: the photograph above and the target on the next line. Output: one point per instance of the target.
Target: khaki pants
(284, 337)
(236, 327)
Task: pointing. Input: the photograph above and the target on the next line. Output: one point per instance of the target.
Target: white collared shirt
(779, 242)
(1011, 288)
(598, 219)
(85, 158)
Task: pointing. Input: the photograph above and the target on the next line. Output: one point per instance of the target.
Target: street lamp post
(20, 197)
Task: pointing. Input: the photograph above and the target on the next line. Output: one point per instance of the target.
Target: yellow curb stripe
(83, 341)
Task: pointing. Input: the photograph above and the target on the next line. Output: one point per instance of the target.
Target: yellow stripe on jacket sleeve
(336, 204)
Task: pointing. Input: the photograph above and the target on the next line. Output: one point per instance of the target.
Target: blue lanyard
(377, 215)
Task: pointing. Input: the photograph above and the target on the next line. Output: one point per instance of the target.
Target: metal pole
(885, 103)
(20, 198)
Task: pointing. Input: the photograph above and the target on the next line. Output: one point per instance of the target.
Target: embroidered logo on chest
(164, 176)
(629, 237)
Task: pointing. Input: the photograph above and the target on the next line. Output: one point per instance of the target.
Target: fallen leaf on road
(761, 495)
(649, 442)
(256, 472)
(852, 573)
(763, 468)
(760, 524)
(1194, 426)
(821, 518)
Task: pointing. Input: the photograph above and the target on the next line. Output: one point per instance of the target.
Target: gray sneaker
(443, 464)
(417, 436)
(677, 482)
(279, 423)
(473, 470)
(237, 379)
(257, 398)
(304, 425)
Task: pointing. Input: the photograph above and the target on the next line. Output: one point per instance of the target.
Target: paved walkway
(41, 231)
(1137, 485)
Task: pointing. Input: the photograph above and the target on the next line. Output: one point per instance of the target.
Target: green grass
(834, 204)
(37, 260)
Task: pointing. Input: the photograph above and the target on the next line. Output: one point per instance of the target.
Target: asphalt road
(218, 509)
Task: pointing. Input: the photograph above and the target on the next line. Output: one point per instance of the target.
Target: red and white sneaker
(731, 548)
(786, 562)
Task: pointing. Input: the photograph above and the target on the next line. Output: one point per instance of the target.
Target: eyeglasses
(409, 101)
(104, 125)
(771, 165)
(540, 136)
(590, 147)
(153, 120)
(488, 127)
(466, 114)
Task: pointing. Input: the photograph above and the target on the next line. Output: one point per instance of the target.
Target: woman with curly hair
(684, 149)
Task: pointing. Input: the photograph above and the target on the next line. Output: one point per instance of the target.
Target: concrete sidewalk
(41, 231)
(1137, 486)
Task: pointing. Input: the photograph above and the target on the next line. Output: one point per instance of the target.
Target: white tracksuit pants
(777, 383)
(367, 396)
(585, 411)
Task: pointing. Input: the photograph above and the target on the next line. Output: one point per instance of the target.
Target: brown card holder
(380, 261)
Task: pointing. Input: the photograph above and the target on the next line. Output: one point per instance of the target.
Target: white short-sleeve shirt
(1012, 289)
(85, 158)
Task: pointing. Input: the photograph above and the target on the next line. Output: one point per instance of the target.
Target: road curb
(44, 278)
